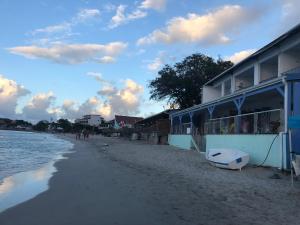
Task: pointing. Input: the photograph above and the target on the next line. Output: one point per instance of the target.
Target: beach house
(247, 107)
(155, 128)
(124, 121)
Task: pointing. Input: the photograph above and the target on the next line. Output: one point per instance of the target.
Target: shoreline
(27, 184)
(136, 183)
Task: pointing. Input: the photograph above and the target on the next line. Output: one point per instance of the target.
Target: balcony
(266, 122)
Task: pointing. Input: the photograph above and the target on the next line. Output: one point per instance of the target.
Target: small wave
(23, 151)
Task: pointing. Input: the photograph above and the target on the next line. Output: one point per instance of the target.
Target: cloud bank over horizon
(107, 102)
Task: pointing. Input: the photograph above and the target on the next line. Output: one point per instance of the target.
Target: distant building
(155, 128)
(91, 120)
(124, 121)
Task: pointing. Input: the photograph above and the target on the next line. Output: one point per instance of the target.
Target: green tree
(41, 126)
(182, 83)
(65, 124)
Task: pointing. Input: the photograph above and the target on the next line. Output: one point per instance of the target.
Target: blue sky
(73, 57)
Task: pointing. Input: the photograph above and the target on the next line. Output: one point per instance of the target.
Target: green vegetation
(65, 124)
(41, 126)
(181, 84)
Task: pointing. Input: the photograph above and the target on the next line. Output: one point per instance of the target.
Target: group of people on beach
(84, 133)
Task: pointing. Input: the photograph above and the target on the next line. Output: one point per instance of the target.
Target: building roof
(276, 42)
(128, 119)
(159, 115)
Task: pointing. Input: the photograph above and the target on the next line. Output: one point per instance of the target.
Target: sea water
(26, 164)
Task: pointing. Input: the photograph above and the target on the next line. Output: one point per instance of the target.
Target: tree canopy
(181, 84)
(41, 126)
(65, 124)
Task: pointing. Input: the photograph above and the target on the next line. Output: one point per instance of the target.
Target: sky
(67, 58)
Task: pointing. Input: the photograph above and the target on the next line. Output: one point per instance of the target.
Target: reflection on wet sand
(7, 185)
(24, 186)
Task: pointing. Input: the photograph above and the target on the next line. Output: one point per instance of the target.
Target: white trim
(286, 100)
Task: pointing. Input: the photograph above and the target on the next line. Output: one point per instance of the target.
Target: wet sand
(136, 183)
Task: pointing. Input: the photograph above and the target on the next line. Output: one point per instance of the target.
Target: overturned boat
(227, 158)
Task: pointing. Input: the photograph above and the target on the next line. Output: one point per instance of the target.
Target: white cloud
(86, 14)
(121, 17)
(107, 60)
(125, 100)
(239, 56)
(211, 28)
(153, 4)
(108, 90)
(290, 14)
(109, 7)
(71, 110)
(63, 27)
(10, 92)
(98, 77)
(40, 107)
(72, 53)
(82, 16)
(157, 62)
(112, 100)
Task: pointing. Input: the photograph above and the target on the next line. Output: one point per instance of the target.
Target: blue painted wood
(293, 77)
(239, 103)
(211, 110)
(294, 122)
(296, 117)
(280, 90)
(255, 92)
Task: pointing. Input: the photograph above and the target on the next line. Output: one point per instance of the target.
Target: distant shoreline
(15, 129)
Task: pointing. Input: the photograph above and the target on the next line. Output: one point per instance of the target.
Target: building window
(227, 87)
(244, 79)
(269, 69)
(218, 89)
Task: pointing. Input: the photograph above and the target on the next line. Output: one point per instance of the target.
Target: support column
(211, 111)
(191, 120)
(180, 124)
(256, 73)
(239, 103)
(287, 104)
(172, 130)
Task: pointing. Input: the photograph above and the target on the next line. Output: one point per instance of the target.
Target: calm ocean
(24, 151)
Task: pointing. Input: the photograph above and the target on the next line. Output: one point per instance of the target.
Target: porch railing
(264, 122)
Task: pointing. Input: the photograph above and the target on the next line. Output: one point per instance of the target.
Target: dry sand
(136, 183)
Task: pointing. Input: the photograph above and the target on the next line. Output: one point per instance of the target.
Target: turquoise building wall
(256, 145)
(180, 141)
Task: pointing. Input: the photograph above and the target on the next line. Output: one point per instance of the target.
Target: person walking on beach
(85, 134)
(78, 134)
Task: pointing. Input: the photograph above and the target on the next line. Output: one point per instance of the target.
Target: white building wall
(95, 120)
(287, 61)
(210, 94)
(256, 73)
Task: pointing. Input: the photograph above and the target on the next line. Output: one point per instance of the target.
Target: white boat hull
(228, 158)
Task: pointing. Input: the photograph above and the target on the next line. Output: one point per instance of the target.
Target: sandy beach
(137, 183)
